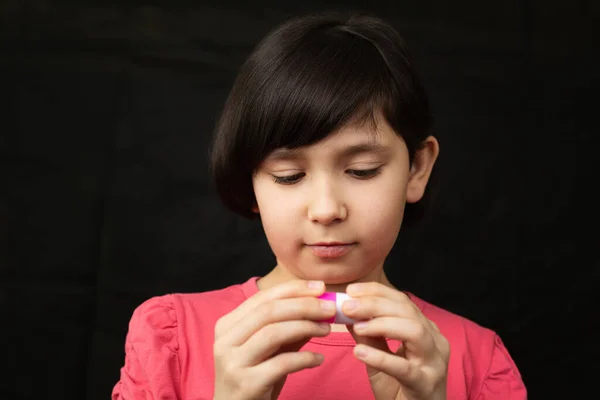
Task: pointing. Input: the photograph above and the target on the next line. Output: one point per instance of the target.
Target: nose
(326, 205)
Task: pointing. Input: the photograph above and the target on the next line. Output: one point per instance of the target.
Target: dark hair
(309, 77)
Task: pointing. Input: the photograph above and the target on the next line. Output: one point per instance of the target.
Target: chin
(335, 276)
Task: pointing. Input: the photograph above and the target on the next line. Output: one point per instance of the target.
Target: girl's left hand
(419, 369)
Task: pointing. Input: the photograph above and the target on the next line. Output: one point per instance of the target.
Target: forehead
(347, 141)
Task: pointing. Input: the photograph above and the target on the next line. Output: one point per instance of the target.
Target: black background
(106, 200)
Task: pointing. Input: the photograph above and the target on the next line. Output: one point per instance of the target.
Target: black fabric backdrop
(106, 201)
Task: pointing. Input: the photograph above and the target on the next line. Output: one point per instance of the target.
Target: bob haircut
(309, 77)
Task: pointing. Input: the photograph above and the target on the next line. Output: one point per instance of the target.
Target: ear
(421, 168)
(255, 209)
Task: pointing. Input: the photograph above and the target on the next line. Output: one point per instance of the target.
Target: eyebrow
(347, 152)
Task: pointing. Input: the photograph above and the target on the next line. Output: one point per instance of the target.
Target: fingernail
(354, 288)
(315, 284)
(327, 305)
(360, 351)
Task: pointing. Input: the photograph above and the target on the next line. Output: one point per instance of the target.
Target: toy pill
(339, 299)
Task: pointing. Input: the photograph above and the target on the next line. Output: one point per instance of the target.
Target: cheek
(381, 214)
(278, 225)
(278, 219)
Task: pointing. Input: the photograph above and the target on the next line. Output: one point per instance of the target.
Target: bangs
(331, 79)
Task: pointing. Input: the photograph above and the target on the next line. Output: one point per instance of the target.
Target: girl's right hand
(256, 345)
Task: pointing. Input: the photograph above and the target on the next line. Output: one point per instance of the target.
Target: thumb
(375, 342)
(293, 347)
(383, 385)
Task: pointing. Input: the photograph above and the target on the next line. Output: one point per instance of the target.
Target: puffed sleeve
(151, 369)
(503, 380)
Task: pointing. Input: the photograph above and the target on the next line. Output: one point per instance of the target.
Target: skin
(351, 187)
(329, 202)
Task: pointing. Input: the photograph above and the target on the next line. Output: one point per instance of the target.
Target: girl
(325, 138)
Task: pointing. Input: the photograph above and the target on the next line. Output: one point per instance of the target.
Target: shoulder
(478, 355)
(163, 341)
(178, 310)
(151, 368)
(454, 326)
(209, 306)
(155, 318)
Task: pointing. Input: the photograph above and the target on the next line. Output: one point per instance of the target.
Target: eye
(364, 173)
(289, 179)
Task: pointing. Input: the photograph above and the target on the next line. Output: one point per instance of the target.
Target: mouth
(331, 250)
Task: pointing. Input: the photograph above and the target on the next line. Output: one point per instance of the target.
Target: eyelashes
(362, 174)
(288, 180)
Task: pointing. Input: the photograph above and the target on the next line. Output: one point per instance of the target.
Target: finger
(274, 369)
(416, 337)
(295, 288)
(273, 337)
(408, 373)
(372, 342)
(364, 308)
(307, 308)
(375, 342)
(377, 289)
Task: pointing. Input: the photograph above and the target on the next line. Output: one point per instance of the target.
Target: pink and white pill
(339, 299)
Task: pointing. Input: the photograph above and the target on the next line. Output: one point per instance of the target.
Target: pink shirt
(169, 354)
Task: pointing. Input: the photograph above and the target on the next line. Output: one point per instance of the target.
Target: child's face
(330, 194)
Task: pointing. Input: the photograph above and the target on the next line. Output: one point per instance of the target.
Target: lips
(331, 249)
